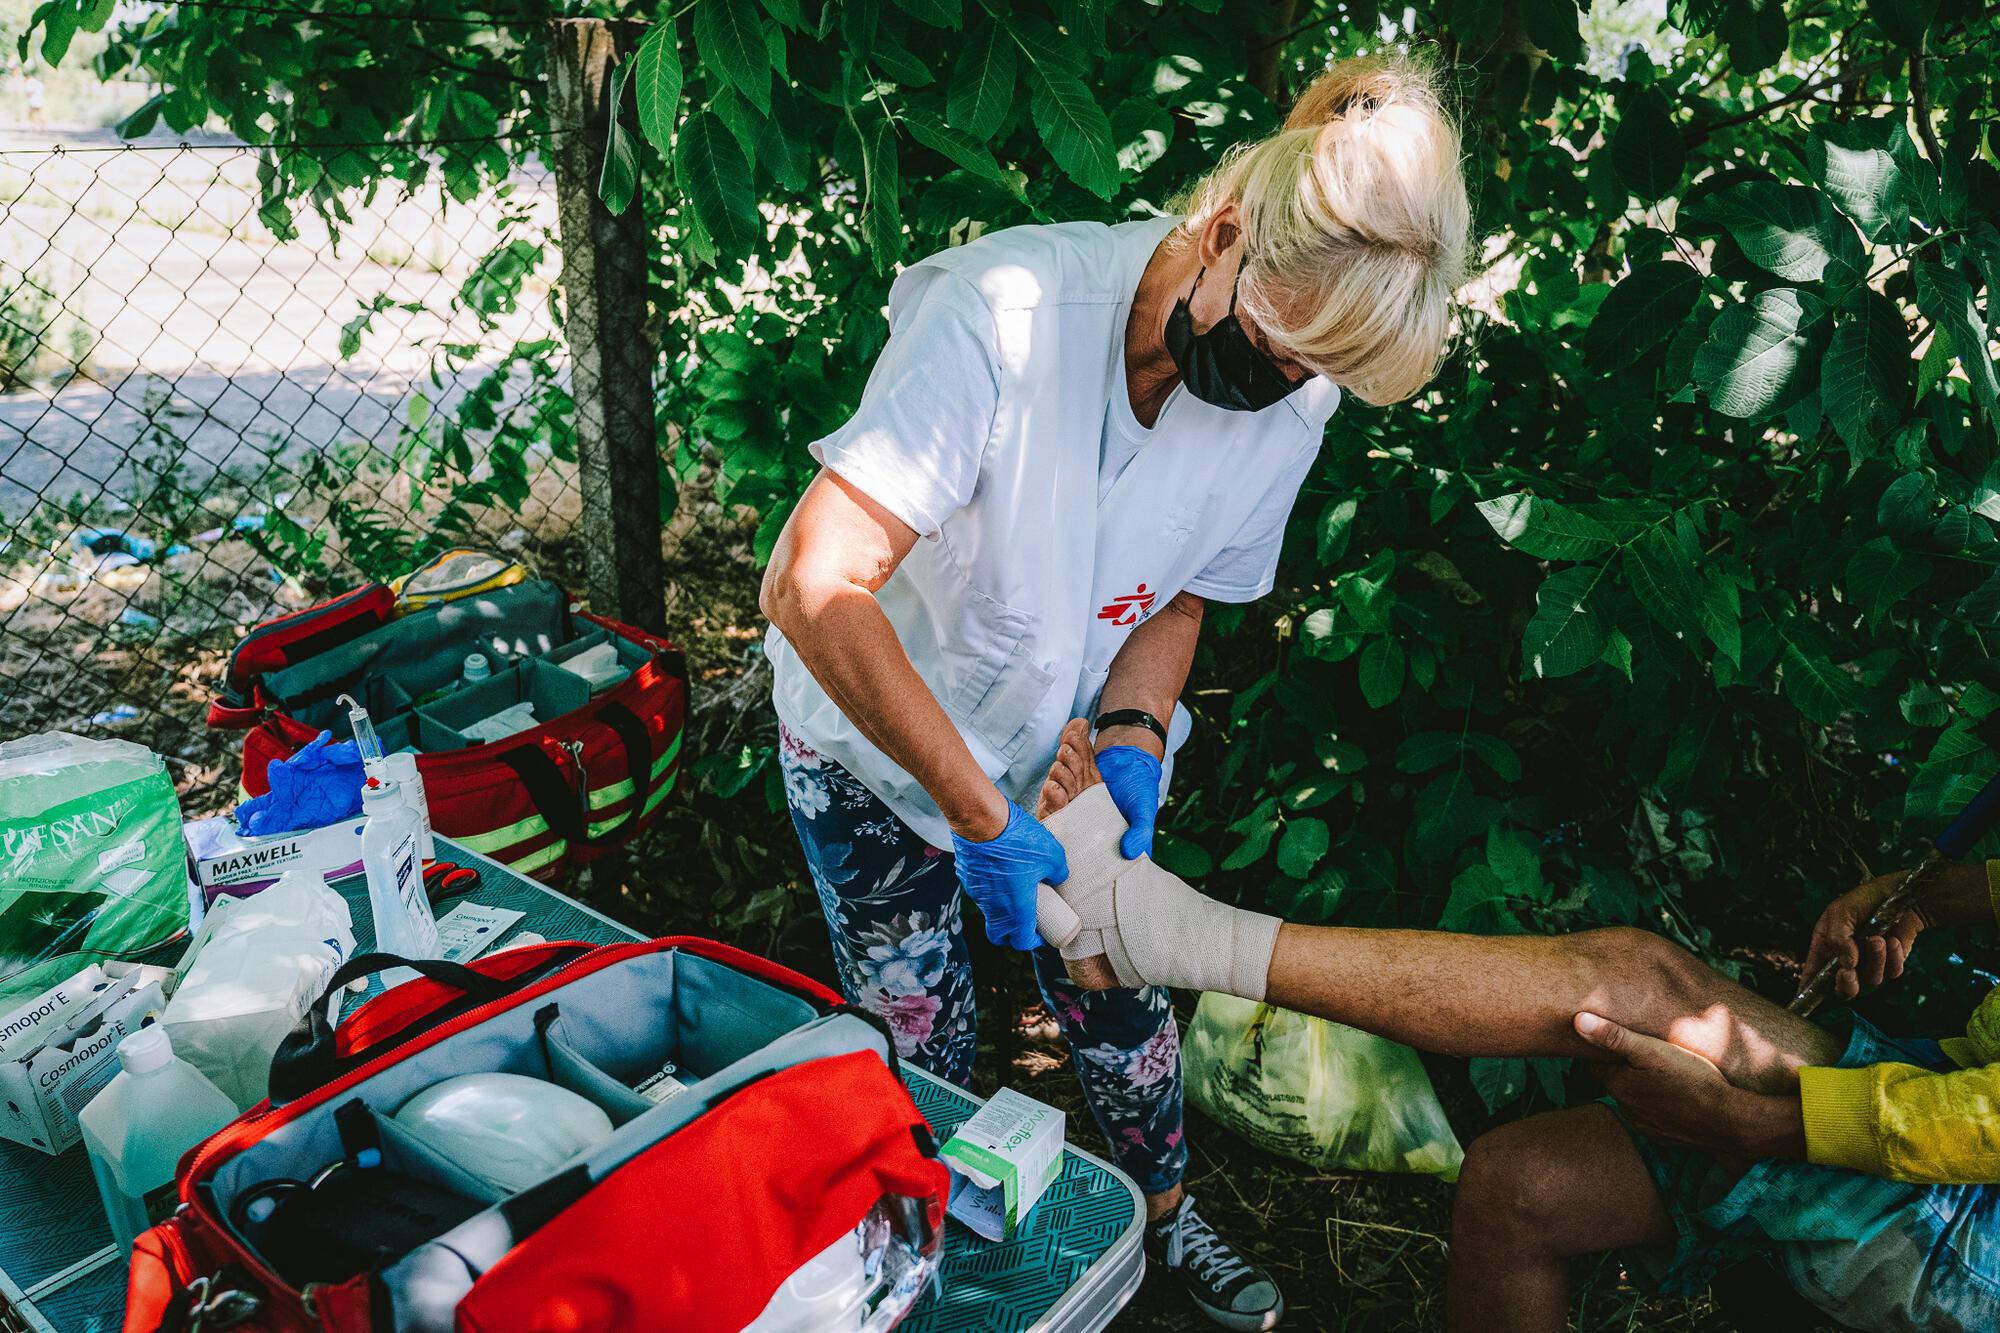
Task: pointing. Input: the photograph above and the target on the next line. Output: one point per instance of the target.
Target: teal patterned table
(1073, 1265)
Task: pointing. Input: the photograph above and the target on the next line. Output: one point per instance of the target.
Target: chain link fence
(202, 425)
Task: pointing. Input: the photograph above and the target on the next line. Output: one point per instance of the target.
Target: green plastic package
(92, 865)
(1331, 1096)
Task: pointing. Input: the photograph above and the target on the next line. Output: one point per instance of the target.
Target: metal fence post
(604, 322)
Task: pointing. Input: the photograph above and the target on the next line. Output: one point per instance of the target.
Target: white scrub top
(997, 424)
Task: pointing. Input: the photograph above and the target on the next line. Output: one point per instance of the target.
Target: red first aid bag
(788, 1138)
(601, 754)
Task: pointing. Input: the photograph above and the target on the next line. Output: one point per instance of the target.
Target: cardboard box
(225, 861)
(1001, 1161)
(64, 1048)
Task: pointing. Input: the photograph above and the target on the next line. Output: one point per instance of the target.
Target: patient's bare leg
(1505, 995)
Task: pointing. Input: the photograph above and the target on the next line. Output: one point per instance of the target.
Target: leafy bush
(1670, 602)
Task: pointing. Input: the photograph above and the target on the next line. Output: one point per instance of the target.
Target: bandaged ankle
(1151, 926)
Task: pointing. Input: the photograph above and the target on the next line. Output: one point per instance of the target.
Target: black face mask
(1222, 366)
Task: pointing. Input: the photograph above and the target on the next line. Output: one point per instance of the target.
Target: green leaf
(1907, 506)
(1567, 632)
(1304, 843)
(1755, 33)
(1381, 672)
(1551, 25)
(1646, 149)
(1880, 574)
(957, 145)
(1905, 21)
(1853, 164)
(1790, 230)
(1722, 616)
(656, 80)
(982, 82)
(1073, 125)
(1545, 528)
(782, 145)
(1935, 363)
(1140, 131)
(1496, 754)
(882, 215)
(715, 176)
(1176, 854)
(1500, 1081)
(1515, 863)
(619, 178)
(729, 36)
(140, 123)
(1759, 356)
(1641, 312)
(1427, 750)
(1336, 525)
(937, 13)
(1945, 295)
(1865, 377)
(1661, 572)
(1820, 690)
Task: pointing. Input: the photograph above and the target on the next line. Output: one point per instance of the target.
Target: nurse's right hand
(1001, 875)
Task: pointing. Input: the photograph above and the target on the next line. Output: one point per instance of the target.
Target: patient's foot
(1074, 772)
(1132, 919)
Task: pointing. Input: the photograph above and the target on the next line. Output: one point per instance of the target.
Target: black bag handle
(306, 1058)
(559, 803)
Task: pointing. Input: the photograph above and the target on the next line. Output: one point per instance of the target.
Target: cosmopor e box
(59, 1049)
(1001, 1160)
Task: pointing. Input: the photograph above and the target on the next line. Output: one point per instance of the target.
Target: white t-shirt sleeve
(915, 443)
(1247, 567)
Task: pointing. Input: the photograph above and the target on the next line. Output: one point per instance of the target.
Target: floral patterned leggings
(893, 909)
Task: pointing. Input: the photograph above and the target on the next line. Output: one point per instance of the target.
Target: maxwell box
(225, 861)
(1001, 1160)
(59, 1050)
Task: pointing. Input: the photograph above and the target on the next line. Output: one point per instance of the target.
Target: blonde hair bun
(1356, 223)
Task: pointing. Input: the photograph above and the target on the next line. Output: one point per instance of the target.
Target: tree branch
(1798, 94)
(1920, 101)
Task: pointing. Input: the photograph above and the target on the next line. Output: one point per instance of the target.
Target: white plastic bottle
(390, 857)
(476, 669)
(401, 769)
(138, 1127)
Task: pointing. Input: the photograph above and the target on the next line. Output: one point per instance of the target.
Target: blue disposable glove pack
(1133, 775)
(319, 785)
(1001, 875)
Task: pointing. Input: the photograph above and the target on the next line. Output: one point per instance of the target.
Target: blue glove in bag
(1001, 876)
(319, 785)
(1133, 775)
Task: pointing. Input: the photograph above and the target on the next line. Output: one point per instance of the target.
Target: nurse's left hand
(1133, 775)
(1003, 873)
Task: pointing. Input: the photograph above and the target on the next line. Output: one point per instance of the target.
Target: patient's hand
(1870, 960)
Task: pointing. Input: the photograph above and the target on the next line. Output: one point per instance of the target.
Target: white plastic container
(390, 858)
(138, 1127)
(476, 669)
(401, 769)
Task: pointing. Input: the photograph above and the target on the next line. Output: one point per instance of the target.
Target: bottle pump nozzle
(365, 740)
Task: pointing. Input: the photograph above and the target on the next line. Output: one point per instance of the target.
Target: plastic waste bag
(256, 965)
(92, 865)
(1331, 1096)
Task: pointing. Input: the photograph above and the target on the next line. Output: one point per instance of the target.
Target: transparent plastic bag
(1329, 1095)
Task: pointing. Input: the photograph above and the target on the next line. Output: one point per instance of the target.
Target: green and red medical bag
(583, 780)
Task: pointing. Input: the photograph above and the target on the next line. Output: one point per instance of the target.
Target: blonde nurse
(1076, 437)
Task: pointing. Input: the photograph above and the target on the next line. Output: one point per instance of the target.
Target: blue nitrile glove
(319, 785)
(1001, 875)
(1133, 775)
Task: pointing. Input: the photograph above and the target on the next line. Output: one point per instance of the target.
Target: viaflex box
(1001, 1160)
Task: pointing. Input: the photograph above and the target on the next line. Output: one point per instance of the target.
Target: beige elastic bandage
(1150, 924)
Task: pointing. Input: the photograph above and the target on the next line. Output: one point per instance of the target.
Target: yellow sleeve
(1905, 1123)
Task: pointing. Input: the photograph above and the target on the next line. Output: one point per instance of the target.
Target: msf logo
(1130, 609)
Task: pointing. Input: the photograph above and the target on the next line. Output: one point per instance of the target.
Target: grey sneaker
(1230, 1290)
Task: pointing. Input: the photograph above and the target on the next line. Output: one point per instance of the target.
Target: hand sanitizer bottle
(401, 769)
(392, 860)
(138, 1127)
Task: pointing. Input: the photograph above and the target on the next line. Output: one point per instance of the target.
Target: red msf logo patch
(1130, 609)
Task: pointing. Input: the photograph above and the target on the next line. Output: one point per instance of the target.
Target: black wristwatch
(1132, 717)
